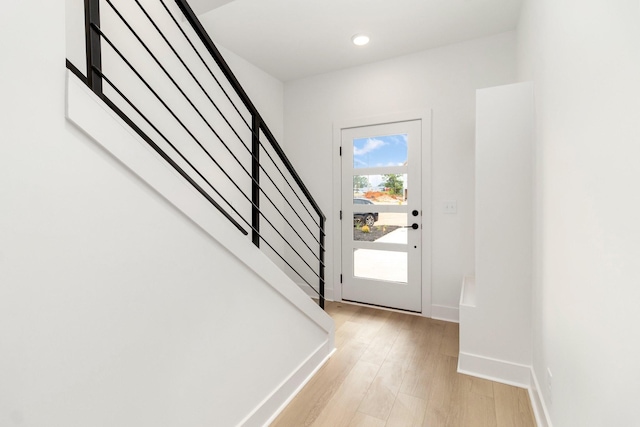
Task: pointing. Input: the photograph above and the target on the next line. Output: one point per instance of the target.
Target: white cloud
(369, 146)
(359, 162)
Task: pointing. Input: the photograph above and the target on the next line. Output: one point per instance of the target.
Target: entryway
(382, 237)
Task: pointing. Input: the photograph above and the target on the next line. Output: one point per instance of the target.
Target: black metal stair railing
(154, 65)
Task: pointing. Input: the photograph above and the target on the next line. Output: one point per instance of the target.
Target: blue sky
(379, 151)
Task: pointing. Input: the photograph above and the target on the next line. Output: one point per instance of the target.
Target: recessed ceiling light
(360, 39)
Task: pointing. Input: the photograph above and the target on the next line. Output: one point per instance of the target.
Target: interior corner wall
(584, 60)
(443, 80)
(115, 308)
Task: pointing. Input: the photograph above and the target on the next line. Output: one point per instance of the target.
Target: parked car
(368, 218)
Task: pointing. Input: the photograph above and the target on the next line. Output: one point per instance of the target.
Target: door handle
(414, 226)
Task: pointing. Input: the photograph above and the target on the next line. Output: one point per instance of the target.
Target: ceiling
(292, 39)
(202, 6)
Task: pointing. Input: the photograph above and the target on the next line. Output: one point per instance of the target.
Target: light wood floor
(399, 370)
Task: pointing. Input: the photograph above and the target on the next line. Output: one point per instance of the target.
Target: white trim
(449, 314)
(335, 213)
(277, 401)
(508, 373)
(377, 307)
(425, 116)
(495, 370)
(537, 402)
(427, 203)
(468, 292)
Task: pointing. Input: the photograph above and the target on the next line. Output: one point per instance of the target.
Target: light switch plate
(451, 207)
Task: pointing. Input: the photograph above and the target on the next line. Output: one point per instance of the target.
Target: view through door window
(382, 189)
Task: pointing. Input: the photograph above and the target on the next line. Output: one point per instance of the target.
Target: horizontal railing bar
(164, 104)
(290, 205)
(278, 253)
(235, 184)
(185, 67)
(166, 73)
(216, 55)
(291, 267)
(164, 155)
(270, 158)
(144, 45)
(94, 72)
(224, 67)
(285, 218)
(291, 170)
(205, 63)
(155, 59)
(287, 181)
(186, 176)
(77, 72)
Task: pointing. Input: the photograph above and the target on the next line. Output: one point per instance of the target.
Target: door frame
(425, 116)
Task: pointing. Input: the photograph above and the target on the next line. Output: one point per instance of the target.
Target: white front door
(382, 215)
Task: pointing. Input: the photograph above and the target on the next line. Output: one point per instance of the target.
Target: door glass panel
(380, 265)
(387, 227)
(380, 151)
(385, 189)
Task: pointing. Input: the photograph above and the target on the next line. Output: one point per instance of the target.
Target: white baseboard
(507, 373)
(277, 401)
(537, 403)
(449, 314)
(495, 370)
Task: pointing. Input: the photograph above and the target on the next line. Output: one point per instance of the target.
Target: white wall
(115, 309)
(584, 58)
(266, 92)
(495, 329)
(444, 80)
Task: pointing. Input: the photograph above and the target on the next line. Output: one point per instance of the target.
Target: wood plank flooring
(398, 370)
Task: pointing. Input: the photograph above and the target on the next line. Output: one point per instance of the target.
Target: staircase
(155, 66)
(156, 93)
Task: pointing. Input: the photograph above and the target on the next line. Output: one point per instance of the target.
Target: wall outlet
(450, 207)
(549, 385)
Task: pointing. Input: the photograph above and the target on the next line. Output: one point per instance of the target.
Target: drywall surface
(498, 327)
(443, 80)
(266, 92)
(115, 309)
(584, 60)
